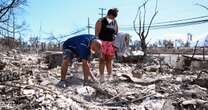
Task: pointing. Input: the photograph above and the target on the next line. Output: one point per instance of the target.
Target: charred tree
(8, 26)
(142, 29)
(8, 5)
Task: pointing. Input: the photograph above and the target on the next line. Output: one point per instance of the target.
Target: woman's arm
(98, 28)
(116, 28)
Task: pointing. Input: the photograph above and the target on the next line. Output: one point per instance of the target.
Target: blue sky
(62, 17)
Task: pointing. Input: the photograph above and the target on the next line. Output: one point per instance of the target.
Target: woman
(122, 45)
(106, 28)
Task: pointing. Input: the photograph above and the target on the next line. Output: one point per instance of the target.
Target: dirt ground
(27, 83)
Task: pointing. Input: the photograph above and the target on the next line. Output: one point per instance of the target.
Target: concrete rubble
(26, 82)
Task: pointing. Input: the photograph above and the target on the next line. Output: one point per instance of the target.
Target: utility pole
(7, 24)
(102, 12)
(13, 24)
(88, 25)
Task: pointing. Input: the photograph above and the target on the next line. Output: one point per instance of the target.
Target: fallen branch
(139, 99)
(44, 88)
(187, 63)
(140, 81)
(37, 86)
(194, 102)
(111, 99)
(200, 73)
(126, 102)
(101, 90)
(78, 100)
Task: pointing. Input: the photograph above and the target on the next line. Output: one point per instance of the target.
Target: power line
(88, 25)
(73, 33)
(66, 35)
(181, 24)
(159, 25)
(102, 12)
(175, 21)
(171, 24)
(187, 19)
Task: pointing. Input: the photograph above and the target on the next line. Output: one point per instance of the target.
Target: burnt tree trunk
(143, 29)
(144, 46)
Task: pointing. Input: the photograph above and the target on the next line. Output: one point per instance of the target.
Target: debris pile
(27, 83)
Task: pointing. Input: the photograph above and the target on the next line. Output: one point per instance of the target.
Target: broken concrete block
(203, 82)
(86, 91)
(137, 73)
(28, 91)
(134, 57)
(153, 68)
(53, 59)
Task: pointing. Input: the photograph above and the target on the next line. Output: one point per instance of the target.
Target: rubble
(190, 62)
(133, 57)
(137, 73)
(2, 65)
(26, 82)
(53, 59)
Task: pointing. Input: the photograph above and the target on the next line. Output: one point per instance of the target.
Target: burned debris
(28, 83)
